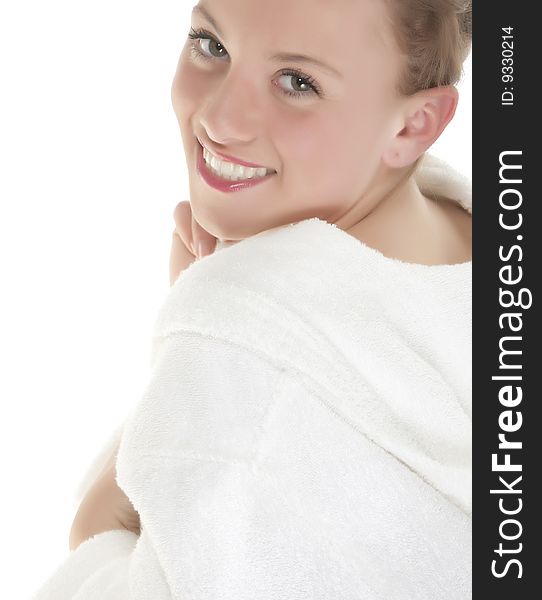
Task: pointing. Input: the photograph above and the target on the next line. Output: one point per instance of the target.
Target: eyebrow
(277, 56)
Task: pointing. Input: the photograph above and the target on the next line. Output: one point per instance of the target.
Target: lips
(233, 159)
(221, 184)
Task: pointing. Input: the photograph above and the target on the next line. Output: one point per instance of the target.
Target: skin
(339, 156)
(104, 507)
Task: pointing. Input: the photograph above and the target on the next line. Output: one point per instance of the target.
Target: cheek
(334, 147)
(187, 88)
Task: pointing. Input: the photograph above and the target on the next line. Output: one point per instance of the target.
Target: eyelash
(202, 34)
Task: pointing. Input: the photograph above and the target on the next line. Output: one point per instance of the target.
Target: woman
(306, 430)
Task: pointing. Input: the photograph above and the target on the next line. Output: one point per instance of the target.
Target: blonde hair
(435, 37)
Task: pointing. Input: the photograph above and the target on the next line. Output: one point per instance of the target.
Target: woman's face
(321, 127)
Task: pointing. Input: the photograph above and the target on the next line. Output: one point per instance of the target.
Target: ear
(426, 115)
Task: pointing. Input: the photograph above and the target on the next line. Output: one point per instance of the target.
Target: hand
(186, 240)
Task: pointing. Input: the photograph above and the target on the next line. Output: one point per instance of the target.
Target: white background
(91, 168)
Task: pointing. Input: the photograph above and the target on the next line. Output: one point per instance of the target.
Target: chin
(221, 226)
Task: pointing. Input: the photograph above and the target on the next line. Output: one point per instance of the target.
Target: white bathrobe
(305, 432)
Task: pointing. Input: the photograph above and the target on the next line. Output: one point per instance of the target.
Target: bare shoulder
(457, 230)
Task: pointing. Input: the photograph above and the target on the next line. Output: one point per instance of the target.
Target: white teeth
(231, 171)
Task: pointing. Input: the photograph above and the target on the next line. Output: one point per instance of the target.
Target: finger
(182, 216)
(180, 257)
(203, 241)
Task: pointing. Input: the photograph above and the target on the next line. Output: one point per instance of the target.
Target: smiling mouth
(226, 176)
(231, 170)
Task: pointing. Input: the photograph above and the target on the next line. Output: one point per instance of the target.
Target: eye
(301, 84)
(212, 44)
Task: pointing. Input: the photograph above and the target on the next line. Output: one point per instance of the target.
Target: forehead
(344, 33)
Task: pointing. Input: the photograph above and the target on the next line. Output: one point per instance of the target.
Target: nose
(231, 114)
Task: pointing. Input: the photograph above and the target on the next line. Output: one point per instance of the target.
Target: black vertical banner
(507, 423)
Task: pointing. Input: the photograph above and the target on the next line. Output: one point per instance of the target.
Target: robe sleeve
(97, 569)
(196, 460)
(199, 460)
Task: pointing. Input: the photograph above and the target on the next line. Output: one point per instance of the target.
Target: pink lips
(233, 159)
(223, 185)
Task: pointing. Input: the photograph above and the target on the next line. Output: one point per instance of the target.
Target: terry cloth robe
(305, 433)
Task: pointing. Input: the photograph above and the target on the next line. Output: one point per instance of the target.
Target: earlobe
(428, 117)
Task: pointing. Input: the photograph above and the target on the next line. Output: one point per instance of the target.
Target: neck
(396, 219)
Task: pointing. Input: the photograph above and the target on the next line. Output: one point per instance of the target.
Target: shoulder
(255, 280)
(239, 294)
(277, 293)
